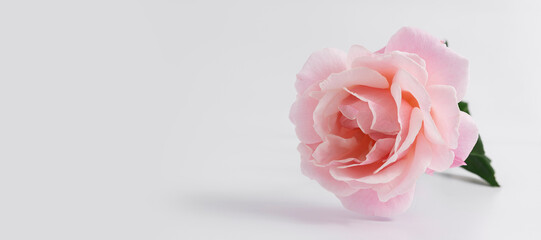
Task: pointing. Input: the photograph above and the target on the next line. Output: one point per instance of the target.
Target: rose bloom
(370, 123)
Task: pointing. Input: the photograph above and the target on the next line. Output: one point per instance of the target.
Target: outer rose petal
(322, 175)
(466, 140)
(366, 202)
(355, 52)
(442, 157)
(445, 113)
(444, 66)
(301, 114)
(319, 66)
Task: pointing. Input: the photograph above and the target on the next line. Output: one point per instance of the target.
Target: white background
(169, 119)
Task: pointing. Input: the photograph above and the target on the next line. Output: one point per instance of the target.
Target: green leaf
(478, 147)
(477, 162)
(464, 107)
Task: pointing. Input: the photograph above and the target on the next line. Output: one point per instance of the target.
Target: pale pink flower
(370, 123)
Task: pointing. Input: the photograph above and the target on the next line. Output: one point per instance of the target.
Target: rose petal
(355, 52)
(335, 148)
(415, 58)
(445, 112)
(431, 131)
(356, 109)
(360, 76)
(442, 156)
(380, 150)
(322, 175)
(319, 66)
(364, 119)
(326, 112)
(366, 202)
(352, 171)
(408, 83)
(348, 123)
(351, 107)
(358, 175)
(468, 135)
(416, 163)
(388, 64)
(444, 66)
(382, 106)
(415, 124)
(301, 114)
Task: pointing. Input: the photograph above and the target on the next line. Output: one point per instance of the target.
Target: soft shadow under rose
(370, 123)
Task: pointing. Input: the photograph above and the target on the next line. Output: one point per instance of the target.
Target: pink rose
(370, 123)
